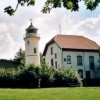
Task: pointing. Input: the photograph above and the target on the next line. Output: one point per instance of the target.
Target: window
(91, 61)
(27, 42)
(51, 50)
(64, 59)
(56, 64)
(80, 72)
(68, 59)
(30, 30)
(55, 55)
(52, 62)
(34, 50)
(79, 60)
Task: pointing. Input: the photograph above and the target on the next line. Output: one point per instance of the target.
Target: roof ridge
(69, 35)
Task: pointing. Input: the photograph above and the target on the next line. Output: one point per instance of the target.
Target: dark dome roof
(31, 27)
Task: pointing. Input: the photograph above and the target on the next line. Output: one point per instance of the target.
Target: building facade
(32, 55)
(77, 52)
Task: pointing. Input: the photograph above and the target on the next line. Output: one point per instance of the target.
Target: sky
(12, 28)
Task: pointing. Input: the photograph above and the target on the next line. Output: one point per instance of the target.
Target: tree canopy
(72, 5)
(20, 56)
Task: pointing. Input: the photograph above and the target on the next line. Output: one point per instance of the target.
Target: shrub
(66, 77)
(7, 77)
(30, 76)
(47, 76)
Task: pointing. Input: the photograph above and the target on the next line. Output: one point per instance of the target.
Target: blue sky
(12, 28)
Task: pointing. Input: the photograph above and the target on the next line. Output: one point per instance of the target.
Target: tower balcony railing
(30, 35)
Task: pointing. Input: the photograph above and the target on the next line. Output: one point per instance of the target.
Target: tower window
(34, 50)
(28, 42)
(30, 30)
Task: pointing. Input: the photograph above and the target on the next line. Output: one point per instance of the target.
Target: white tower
(32, 55)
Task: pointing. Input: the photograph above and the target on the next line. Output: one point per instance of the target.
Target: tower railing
(30, 35)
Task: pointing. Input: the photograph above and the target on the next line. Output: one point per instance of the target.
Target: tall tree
(72, 5)
(20, 57)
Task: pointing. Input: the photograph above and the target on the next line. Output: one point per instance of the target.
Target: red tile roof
(73, 42)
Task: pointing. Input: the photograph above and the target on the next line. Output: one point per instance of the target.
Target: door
(88, 74)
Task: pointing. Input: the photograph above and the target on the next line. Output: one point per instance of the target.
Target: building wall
(85, 60)
(63, 54)
(48, 56)
(30, 56)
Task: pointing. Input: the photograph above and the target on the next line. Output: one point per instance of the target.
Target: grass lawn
(89, 93)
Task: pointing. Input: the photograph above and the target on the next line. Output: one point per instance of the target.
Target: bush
(30, 76)
(66, 77)
(7, 77)
(47, 76)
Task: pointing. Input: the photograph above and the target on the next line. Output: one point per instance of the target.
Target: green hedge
(31, 77)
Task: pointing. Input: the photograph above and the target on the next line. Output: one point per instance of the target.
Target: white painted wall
(48, 56)
(30, 56)
(61, 55)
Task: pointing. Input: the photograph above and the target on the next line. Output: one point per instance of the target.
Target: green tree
(20, 57)
(72, 5)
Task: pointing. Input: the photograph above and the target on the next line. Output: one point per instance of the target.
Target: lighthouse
(32, 55)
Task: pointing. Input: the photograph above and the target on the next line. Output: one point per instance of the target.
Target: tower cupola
(31, 31)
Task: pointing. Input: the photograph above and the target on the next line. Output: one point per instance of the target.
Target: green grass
(90, 93)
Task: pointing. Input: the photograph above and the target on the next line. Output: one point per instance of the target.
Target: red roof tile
(73, 42)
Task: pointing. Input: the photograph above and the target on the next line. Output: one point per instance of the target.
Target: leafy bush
(8, 77)
(32, 76)
(67, 77)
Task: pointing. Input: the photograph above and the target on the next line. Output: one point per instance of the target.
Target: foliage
(72, 5)
(30, 76)
(20, 57)
(8, 77)
(67, 77)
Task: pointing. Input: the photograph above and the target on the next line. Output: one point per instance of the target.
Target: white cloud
(88, 27)
(3, 27)
(13, 28)
(8, 47)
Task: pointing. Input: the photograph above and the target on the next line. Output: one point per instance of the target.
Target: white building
(32, 55)
(78, 52)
